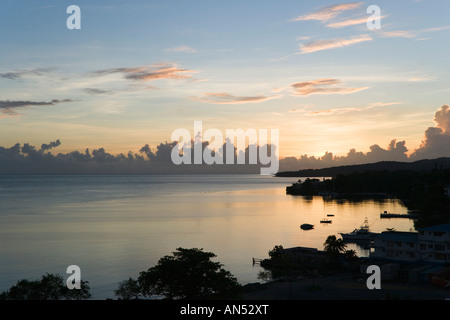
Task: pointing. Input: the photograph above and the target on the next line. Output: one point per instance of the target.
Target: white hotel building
(430, 244)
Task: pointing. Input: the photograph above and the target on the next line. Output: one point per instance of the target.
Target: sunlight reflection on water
(113, 227)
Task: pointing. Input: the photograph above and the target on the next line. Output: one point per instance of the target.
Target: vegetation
(422, 191)
(49, 287)
(187, 274)
(334, 246)
(286, 263)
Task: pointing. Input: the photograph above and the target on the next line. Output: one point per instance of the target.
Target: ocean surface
(113, 227)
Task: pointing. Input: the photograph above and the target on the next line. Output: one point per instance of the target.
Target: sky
(138, 70)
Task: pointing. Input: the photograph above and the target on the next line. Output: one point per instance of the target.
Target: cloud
(51, 145)
(329, 12)
(8, 107)
(226, 98)
(27, 159)
(350, 109)
(395, 151)
(320, 45)
(322, 86)
(181, 49)
(436, 29)
(436, 142)
(397, 34)
(95, 91)
(156, 72)
(347, 23)
(20, 74)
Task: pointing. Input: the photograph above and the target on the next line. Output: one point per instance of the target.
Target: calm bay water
(113, 227)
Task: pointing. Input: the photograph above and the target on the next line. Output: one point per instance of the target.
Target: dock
(398, 215)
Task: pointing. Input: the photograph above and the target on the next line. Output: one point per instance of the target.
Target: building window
(440, 256)
(439, 247)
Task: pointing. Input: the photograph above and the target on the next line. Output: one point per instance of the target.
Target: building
(395, 245)
(430, 244)
(434, 243)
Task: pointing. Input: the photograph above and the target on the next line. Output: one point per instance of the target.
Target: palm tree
(334, 246)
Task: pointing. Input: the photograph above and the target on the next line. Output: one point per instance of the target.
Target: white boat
(361, 234)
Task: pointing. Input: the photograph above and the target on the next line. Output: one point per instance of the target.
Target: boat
(361, 234)
(324, 220)
(307, 226)
(330, 215)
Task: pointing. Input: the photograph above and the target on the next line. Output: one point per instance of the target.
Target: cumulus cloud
(53, 144)
(320, 45)
(436, 142)
(226, 98)
(395, 151)
(27, 159)
(322, 86)
(329, 12)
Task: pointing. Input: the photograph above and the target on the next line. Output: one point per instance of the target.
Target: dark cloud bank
(27, 159)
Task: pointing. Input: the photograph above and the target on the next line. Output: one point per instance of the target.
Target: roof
(399, 236)
(440, 227)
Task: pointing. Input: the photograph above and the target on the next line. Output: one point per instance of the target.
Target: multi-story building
(395, 245)
(430, 244)
(434, 243)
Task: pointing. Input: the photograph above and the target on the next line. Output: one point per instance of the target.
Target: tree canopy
(48, 287)
(187, 274)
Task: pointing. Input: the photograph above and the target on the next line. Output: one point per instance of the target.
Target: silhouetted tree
(49, 287)
(189, 274)
(334, 246)
(128, 289)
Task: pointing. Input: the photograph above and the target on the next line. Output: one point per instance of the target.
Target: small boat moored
(324, 220)
(307, 226)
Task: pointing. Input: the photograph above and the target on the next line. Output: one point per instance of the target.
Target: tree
(276, 252)
(128, 289)
(350, 255)
(334, 246)
(49, 287)
(189, 274)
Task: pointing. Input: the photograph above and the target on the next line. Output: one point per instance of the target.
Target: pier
(398, 215)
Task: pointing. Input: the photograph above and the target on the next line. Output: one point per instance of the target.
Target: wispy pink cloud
(329, 12)
(226, 98)
(320, 45)
(322, 86)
